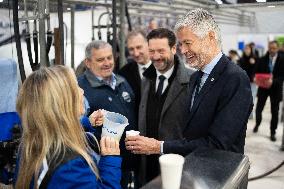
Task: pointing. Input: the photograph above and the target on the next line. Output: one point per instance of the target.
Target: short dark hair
(270, 42)
(161, 33)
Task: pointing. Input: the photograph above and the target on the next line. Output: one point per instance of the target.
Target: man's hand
(109, 146)
(142, 145)
(96, 118)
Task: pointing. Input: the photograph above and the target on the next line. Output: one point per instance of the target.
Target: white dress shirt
(142, 68)
(167, 75)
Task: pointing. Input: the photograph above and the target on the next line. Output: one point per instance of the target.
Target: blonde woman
(54, 152)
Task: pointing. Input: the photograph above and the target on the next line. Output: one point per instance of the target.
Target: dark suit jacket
(131, 73)
(173, 115)
(218, 117)
(278, 75)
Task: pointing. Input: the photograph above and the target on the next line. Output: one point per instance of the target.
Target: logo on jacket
(125, 95)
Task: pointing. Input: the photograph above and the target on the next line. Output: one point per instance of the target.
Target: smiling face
(161, 54)
(138, 49)
(197, 51)
(101, 62)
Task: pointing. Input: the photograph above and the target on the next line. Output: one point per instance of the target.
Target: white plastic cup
(171, 166)
(132, 133)
(114, 125)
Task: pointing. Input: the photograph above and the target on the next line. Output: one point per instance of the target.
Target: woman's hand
(96, 118)
(109, 146)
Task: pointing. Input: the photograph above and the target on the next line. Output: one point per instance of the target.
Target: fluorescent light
(1, 1)
(261, 1)
(219, 2)
(271, 6)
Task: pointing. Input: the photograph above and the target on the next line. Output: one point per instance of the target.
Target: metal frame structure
(170, 10)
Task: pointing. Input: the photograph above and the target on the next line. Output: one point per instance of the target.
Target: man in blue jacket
(220, 99)
(105, 90)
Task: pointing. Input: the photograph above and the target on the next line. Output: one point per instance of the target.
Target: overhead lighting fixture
(261, 1)
(271, 6)
(219, 2)
(1, 1)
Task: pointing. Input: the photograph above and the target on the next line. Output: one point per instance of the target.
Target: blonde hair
(49, 107)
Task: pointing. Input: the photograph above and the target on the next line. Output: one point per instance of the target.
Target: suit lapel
(174, 90)
(136, 73)
(209, 83)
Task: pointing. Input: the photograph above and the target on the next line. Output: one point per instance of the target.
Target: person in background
(111, 92)
(254, 51)
(233, 56)
(247, 62)
(153, 24)
(133, 71)
(54, 151)
(219, 101)
(271, 63)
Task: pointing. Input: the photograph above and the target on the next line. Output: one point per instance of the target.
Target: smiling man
(219, 100)
(164, 95)
(133, 71)
(105, 90)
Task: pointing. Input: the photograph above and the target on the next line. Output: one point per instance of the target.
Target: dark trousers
(262, 97)
(129, 179)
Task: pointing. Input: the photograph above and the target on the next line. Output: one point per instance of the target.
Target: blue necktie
(197, 85)
(270, 65)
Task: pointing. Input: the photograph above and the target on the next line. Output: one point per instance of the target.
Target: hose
(267, 173)
(18, 39)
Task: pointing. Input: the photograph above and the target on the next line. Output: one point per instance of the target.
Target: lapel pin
(212, 79)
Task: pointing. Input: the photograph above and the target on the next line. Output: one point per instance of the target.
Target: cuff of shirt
(162, 148)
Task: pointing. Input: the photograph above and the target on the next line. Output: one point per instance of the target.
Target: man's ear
(174, 49)
(87, 62)
(211, 35)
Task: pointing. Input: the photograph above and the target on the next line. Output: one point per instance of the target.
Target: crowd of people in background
(271, 63)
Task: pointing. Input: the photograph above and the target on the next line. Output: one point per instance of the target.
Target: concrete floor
(264, 154)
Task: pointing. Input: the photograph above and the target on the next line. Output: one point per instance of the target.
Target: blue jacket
(120, 100)
(76, 173)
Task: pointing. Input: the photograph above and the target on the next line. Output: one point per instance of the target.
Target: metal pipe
(114, 36)
(47, 15)
(61, 29)
(26, 15)
(42, 42)
(93, 30)
(72, 35)
(23, 19)
(122, 14)
(87, 2)
(246, 5)
(18, 40)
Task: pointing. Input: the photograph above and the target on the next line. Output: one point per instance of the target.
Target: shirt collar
(111, 82)
(145, 65)
(167, 74)
(209, 67)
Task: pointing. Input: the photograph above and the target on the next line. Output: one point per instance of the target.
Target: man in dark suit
(220, 99)
(272, 62)
(162, 110)
(133, 71)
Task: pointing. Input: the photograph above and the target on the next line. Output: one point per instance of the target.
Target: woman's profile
(54, 152)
